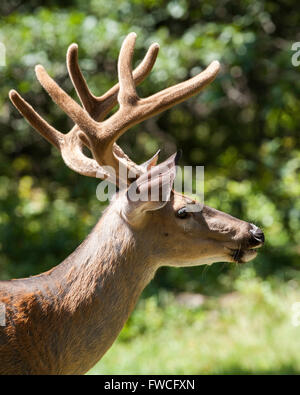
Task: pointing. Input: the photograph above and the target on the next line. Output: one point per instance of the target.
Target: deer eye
(182, 213)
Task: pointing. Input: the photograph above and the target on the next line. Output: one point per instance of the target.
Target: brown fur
(61, 322)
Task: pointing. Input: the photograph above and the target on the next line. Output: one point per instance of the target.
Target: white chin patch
(201, 261)
(248, 255)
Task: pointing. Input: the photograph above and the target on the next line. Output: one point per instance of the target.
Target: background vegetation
(244, 128)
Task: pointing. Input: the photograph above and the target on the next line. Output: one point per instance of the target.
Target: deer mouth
(243, 255)
(248, 250)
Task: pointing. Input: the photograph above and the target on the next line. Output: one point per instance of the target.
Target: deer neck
(99, 286)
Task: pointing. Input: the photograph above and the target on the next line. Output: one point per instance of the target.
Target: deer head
(168, 232)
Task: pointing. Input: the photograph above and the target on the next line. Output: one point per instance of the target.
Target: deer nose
(257, 234)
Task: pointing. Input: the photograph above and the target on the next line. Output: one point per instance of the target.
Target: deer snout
(256, 235)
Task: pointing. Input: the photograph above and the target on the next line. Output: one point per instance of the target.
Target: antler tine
(43, 127)
(168, 97)
(69, 144)
(99, 107)
(139, 73)
(66, 103)
(134, 109)
(127, 93)
(87, 99)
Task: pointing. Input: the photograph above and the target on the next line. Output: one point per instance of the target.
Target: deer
(64, 320)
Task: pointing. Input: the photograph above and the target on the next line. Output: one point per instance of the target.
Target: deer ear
(151, 162)
(152, 190)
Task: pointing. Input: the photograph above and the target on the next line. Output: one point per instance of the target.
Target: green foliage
(244, 128)
(248, 331)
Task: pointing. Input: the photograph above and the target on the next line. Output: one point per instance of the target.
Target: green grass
(249, 331)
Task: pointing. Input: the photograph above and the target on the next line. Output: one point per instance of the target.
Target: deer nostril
(257, 234)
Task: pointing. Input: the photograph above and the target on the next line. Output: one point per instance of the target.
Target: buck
(64, 320)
